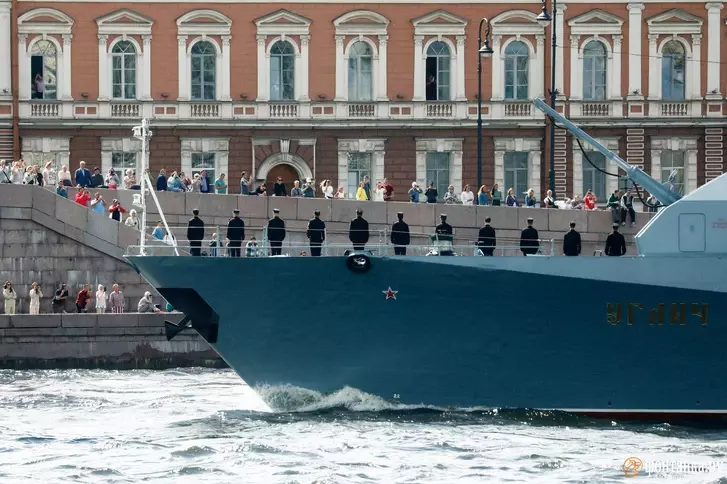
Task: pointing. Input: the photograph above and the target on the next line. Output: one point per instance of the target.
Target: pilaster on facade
(714, 40)
(686, 145)
(635, 60)
(39, 150)
(375, 146)
(611, 182)
(533, 146)
(560, 49)
(452, 146)
(5, 45)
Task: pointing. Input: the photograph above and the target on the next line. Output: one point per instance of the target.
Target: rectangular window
(39, 158)
(438, 172)
(592, 178)
(673, 161)
(206, 162)
(516, 173)
(122, 161)
(359, 165)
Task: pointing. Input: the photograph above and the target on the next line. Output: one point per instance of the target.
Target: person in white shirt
(379, 192)
(467, 197)
(50, 177)
(65, 176)
(132, 220)
(101, 299)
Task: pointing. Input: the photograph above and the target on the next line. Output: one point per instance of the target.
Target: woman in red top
(590, 200)
(82, 299)
(83, 197)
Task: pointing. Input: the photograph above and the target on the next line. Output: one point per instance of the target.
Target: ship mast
(143, 133)
(664, 194)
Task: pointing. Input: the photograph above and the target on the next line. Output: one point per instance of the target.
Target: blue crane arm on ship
(659, 190)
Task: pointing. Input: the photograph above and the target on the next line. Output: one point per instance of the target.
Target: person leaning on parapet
(316, 233)
(529, 243)
(487, 239)
(572, 241)
(116, 300)
(400, 236)
(195, 233)
(235, 233)
(59, 299)
(358, 231)
(614, 204)
(615, 243)
(82, 175)
(276, 233)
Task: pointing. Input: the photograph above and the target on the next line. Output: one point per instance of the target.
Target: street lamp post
(544, 19)
(484, 51)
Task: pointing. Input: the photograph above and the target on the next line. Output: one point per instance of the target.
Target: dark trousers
(195, 247)
(399, 250)
(234, 248)
(359, 246)
(632, 214)
(487, 251)
(315, 249)
(80, 309)
(275, 247)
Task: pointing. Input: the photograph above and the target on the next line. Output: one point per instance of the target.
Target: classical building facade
(351, 88)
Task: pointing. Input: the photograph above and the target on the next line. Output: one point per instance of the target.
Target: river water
(206, 426)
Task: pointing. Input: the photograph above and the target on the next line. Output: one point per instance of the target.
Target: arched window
(360, 76)
(282, 71)
(673, 61)
(43, 70)
(123, 70)
(517, 58)
(594, 71)
(204, 71)
(438, 69)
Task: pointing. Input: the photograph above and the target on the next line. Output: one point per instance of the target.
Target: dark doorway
(36, 67)
(286, 172)
(431, 78)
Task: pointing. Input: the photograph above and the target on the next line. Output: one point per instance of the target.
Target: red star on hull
(390, 294)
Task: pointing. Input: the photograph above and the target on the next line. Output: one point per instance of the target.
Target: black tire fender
(358, 263)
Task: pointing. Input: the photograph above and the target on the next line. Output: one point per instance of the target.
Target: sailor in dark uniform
(572, 241)
(443, 228)
(615, 243)
(316, 233)
(195, 233)
(276, 233)
(358, 231)
(487, 239)
(235, 233)
(400, 235)
(529, 243)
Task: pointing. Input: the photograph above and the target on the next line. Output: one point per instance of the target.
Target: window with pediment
(594, 71)
(123, 70)
(282, 71)
(203, 71)
(43, 69)
(438, 71)
(673, 71)
(360, 72)
(517, 68)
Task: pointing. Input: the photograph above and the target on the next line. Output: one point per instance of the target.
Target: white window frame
(109, 146)
(443, 26)
(453, 146)
(135, 25)
(59, 147)
(138, 68)
(351, 25)
(534, 149)
(689, 145)
(280, 25)
(219, 146)
(611, 143)
(375, 146)
(515, 25)
(531, 49)
(607, 29)
(190, 31)
(29, 28)
(662, 29)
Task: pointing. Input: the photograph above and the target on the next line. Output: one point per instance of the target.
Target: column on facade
(343, 168)
(5, 45)
(615, 84)
(534, 170)
(262, 69)
(539, 67)
(497, 69)
(23, 68)
(146, 60)
(104, 86)
(576, 78)
(67, 94)
(500, 170)
(225, 94)
(656, 164)
(654, 69)
(182, 66)
(341, 94)
(460, 94)
(690, 178)
(382, 85)
(696, 68)
(303, 95)
(419, 92)
(635, 60)
(713, 46)
(578, 171)
(559, 50)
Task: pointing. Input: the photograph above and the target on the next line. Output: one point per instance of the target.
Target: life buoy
(358, 263)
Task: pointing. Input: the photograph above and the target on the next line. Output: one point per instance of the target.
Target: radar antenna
(664, 193)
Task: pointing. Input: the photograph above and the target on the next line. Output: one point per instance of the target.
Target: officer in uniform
(487, 239)
(400, 235)
(276, 233)
(572, 241)
(529, 243)
(443, 228)
(358, 231)
(615, 243)
(195, 234)
(316, 233)
(235, 233)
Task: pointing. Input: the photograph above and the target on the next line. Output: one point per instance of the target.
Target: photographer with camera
(10, 297)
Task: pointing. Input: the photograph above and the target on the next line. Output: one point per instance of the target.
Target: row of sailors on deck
(358, 235)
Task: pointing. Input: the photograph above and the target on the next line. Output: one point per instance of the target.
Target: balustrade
(45, 110)
(125, 110)
(357, 110)
(206, 110)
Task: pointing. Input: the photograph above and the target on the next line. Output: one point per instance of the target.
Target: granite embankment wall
(114, 341)
(216, 210)
(50, 240)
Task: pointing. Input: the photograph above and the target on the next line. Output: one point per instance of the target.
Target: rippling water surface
(206, 426)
